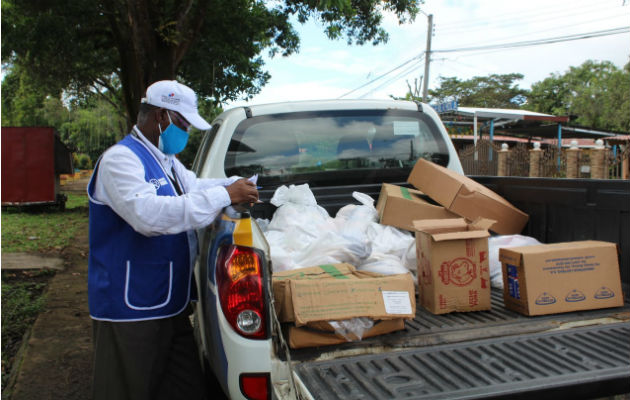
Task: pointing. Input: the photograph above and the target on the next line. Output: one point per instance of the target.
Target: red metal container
(32, 159)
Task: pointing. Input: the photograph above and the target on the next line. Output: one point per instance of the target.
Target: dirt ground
(56, 363)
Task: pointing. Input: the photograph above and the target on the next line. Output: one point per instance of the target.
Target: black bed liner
(589, 361)
(513, 355)
(428, 329)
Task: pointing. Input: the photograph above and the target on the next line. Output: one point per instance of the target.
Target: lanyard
(174, 180)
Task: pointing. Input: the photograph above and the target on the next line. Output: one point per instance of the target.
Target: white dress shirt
(120, 184)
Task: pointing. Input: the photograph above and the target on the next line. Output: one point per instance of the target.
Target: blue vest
(133, 277)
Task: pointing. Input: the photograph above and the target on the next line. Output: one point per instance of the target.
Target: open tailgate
(494, 354)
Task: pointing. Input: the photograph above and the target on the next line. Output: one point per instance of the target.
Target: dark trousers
(154, 359)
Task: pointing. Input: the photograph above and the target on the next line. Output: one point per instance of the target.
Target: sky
(326, 69)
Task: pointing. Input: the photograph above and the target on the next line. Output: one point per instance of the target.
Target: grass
(37, 230)
(22, 301)
(41, 230)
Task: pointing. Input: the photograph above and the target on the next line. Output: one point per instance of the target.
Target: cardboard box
(466, 198)
(399, 206)
(338, 292)
(561, 277)
(309, 337)
(453, 269)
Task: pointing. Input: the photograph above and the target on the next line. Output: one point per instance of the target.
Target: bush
(82, 161)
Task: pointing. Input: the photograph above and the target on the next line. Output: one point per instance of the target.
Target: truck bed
(585, 362)
(497, 353)
(427, 329)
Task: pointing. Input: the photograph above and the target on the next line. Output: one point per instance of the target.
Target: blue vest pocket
(148, 286)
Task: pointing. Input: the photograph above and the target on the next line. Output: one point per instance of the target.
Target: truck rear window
(360, 146)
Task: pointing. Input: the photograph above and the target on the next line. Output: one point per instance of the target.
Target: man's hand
(242, 191)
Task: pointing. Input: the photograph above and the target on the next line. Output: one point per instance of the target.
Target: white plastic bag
(263, 224)
(353, 220)
(389, 240)
(410, 258)
(332, 248)
(503, 241)
(298, 216)
(300, 194)
(282, 258)
(352, 329)
(389, 246)
(302, 234)
(386, 264)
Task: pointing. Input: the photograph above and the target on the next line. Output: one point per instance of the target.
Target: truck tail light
(239, 278)
(255, 386)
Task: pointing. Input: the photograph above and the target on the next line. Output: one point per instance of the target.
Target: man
(144, 209)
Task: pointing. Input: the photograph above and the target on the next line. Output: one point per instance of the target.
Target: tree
(24, 102)
(117, 47)
(92, 127)
(597, 93)
(187, 156)
(493, 91)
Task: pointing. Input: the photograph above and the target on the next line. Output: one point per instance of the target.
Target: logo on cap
(170, 99)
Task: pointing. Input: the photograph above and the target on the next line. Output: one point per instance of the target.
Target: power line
(527, 11)
(405, 72)
(545, 14)
(492, 48)
(556, 28)
(383, 75)
(566, 38)
(573, 25)
(537, 21)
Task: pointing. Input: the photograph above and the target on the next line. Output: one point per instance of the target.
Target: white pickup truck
(341, 146)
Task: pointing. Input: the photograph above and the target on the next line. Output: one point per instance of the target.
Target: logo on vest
(158, 182)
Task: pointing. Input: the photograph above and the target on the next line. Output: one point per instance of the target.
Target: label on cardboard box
(396, 302)
(561, 277)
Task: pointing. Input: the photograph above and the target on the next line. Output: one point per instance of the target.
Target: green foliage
(493, 91)
(597, 93)
(25, 103)
(87, 124)
(209, 112)
(82, 161)
(92, 128)
(115, 48)
(36, 230)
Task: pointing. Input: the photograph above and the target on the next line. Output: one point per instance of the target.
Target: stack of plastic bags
(302, 234)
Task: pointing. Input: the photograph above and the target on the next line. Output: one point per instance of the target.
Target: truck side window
(205, 145)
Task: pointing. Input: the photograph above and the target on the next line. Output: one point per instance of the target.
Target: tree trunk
(145, 56)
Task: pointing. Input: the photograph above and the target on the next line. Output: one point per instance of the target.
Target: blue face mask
(173, 139)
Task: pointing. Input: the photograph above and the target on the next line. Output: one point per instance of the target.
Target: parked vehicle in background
(342, 146)
(32, 160)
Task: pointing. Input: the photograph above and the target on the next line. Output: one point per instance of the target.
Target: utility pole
(427, 59)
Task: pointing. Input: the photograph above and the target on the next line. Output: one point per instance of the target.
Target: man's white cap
(174, 96)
